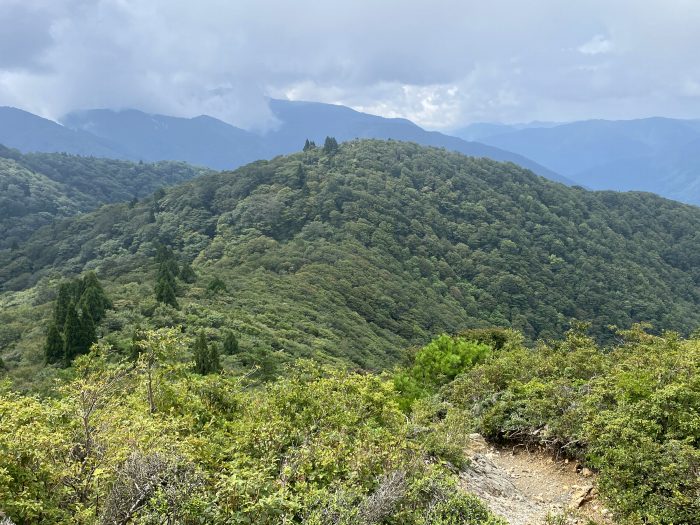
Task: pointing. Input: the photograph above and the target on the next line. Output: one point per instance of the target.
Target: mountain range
(206, 141)
(355, 254)
(659, 155)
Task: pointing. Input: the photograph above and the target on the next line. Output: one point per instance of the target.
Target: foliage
(315, 443)
(206, 357)
(629, 412)
(230, 346)
(383, 245)
(330, 146)
(37, 188)
(80, 306)
(436, 364)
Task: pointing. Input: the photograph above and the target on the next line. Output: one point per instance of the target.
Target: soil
(532, 488)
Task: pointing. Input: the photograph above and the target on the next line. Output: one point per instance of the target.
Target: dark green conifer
(216, 286)
(230, 346)
(54, 347)
(165, 286)
(94, 299)
(72, 337)
(187, 274)
(88, 331)
(206, 357)
(330, 146)
(65, 295)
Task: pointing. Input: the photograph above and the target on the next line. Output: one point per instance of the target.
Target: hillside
(37, 188)
(359, 254)
(655, 154)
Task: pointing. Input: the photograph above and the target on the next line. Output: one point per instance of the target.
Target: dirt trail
(525, 487)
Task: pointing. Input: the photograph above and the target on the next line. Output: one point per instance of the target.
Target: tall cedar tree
(94, 299)
(206, 357)
(165, 286)
(230, 344)
(330, 146)
(80, 306)
(72, 337)
(187, 274)
(88, 331)
(54, 346)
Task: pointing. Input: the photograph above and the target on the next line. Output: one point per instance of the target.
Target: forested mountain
(655, 154)
(37, 188)
(299, 120)
(356, 253)
(204, 141)
(27, 132)
(210, 142)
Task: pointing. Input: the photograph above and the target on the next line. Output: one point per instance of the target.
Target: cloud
(598, 45)
(442, 64)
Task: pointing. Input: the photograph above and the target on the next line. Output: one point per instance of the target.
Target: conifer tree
(72, 336)
(307, 145)
(165, 286)
(54, 347)
(230, 343)
(187, 274)
(206, 358)
(94, 299)
(330, 146)
(300, 176)
(214, 363)
(88, 331)
(201, 354)
(63, 300)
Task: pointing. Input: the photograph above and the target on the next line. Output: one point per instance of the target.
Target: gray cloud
(442, 63)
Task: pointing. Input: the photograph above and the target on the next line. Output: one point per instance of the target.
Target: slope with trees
(37, 188)
(359, 254)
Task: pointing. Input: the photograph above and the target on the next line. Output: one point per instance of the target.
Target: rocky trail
(532, 488)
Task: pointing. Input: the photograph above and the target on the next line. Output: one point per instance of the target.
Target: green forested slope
(36, 188)
(361, 253)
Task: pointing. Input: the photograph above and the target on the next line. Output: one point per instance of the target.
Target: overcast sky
(440, 63)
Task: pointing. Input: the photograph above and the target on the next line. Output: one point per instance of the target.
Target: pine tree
(88, 331)
(72, 337)
(307, 145)
(65, 295)
(54, 347)
(187, 274)
(216, 286)
(94, 299)
(214, 363)
(206, 359)
(165, 286)
(330, 146)
(230, 344)
(300, 176)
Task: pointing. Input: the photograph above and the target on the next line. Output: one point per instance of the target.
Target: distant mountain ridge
(660, 155)
(206, 141)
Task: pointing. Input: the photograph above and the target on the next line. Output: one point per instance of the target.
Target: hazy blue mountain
(482, 130)
(313, 120)
(210, 142)
(202, 140)
(28, 132)
(654, 154)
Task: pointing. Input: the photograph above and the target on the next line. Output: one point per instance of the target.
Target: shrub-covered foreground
(152, 442)
(148, 440)
(631, 412)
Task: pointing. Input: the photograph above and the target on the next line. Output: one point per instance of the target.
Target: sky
(441, 63)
